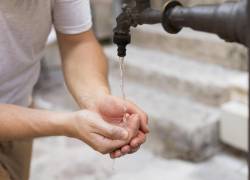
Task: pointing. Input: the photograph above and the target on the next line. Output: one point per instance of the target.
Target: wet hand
(112, 110)
(92, 129)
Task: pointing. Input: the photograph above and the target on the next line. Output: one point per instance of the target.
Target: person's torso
(24, 28)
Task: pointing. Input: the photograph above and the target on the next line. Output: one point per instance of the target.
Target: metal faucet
(227, 20)
(136, 13)
(230, 21)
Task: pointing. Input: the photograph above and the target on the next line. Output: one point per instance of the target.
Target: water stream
(123, 94)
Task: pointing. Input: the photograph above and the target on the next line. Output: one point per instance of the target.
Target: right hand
(102, 136)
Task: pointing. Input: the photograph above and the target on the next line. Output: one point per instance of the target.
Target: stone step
(234, 125)
(239, 89)
(198, 46)
(175, 75)
(75, 161)
(179, 128)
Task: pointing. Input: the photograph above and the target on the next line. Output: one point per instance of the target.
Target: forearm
(23, 123)
(85, 69)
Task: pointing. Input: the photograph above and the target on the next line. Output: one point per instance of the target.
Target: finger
(132, 125)
(134, 109)
(125, 149)
(134, 150)
(138, 140)
(105, 145)
(117, 154)
(112, 155)
(112, 132)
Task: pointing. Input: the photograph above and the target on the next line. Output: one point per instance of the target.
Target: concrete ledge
(234, 125)
(239, 89)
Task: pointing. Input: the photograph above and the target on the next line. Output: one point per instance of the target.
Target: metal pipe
(228, 20)
(149, 16)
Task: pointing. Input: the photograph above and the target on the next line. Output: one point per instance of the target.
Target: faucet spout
(138, 13)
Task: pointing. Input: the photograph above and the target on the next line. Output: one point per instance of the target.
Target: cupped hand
(111, 108)
(92, 129)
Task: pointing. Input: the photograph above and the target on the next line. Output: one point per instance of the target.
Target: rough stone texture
(102, 17)
(208, 84)
(195, 45)
(64, 159)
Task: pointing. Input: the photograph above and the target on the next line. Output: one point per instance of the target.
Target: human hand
(112, 110)
(100, 135)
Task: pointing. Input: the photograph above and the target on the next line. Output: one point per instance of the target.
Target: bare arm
(23, 123)
(18, 123)
(85, 67)
(85, 70)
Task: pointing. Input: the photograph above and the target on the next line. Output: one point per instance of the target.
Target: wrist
(90, 100)
(62, 123)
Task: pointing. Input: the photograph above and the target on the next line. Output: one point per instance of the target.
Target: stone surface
(64, 159)
(175, 75)
(239, 89)
(197, 46)
(102, 18)
(173, 133)
(179, 128)
(234, 125)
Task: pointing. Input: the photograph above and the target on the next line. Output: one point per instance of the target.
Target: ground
(63, 159)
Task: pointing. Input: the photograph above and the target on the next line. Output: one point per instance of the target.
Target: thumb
(133, 124)
(113, 132)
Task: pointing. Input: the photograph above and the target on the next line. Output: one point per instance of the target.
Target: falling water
(122, 83)
(123, 94)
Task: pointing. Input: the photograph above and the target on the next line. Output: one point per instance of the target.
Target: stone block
(202, 47)
(234, 125)
(176, 75)
(179, 128)
(239, 89)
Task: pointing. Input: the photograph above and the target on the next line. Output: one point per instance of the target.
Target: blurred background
(194, 88)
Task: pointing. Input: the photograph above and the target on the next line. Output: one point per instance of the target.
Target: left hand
(111, 108)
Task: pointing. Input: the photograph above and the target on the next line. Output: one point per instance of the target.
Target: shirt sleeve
(72, 16)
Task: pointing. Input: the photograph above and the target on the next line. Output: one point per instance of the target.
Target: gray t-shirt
(24, 29)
